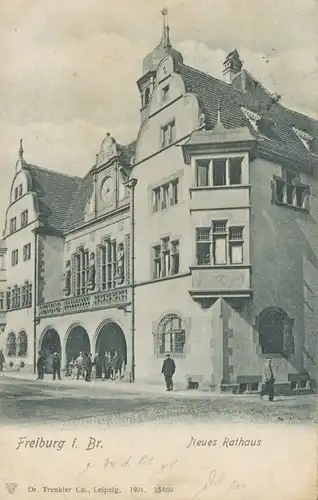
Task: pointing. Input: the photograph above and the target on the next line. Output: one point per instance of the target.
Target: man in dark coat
(40, 365)
(168, 369)
(268, 381)
(56, 365)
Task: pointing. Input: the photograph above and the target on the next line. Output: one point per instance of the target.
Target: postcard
(159, 250)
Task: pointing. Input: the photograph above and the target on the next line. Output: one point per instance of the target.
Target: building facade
(199, 238)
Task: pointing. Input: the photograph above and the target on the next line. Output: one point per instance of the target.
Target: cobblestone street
(28, 402)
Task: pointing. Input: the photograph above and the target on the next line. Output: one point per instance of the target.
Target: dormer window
(165, 93)
(252, 117)
(289, 191)
(304, 137)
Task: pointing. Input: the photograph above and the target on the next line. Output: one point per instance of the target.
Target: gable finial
(166, 30)
(21, 151)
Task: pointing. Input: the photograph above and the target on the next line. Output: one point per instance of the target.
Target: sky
(69, 67)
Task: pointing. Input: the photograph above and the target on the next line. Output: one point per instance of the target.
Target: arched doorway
(276, 331)
(77, 341)
(111, 339)
(50, 344)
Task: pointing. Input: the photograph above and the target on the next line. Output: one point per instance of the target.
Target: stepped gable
(56, 193)
(275, 136)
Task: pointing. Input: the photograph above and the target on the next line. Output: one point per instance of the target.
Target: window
(23, 344)
(202, 172)
(165, 93)
(236, 245)
(15, 257)
(20, 190)
(16, 299)
(170, 335)
(78, 274)
(218, 171)
(11, 344)
(13, 225)
(108, 264)
(81, 271)
(289, 191)
(203, 246)
(147, 96)
(27, 294)
(2, 262)
(30, 295)
(165, 195)
(8, 299)
(235, 170)
(1, 301)
(166, 258)
(16, 193)
(27, 252)
(174, 192)
(215, 244)
(168, 134)
(24, 218)
(219, 242)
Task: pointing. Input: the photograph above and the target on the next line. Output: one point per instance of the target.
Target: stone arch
(110, 337)
(49, 343)
(22, 344)
(76, 341)
(275, 329)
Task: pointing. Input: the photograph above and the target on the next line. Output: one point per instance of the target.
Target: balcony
(118, 297)
(225, 281)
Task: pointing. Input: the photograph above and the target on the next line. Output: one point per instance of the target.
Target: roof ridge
(238, 89)
(57, 172)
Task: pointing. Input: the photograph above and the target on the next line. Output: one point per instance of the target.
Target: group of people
(85, 366)
(109, 365)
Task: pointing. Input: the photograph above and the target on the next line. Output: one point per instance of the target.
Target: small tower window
(165, 93)
(147, 96)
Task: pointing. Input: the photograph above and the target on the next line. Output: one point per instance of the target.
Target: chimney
(231, 66)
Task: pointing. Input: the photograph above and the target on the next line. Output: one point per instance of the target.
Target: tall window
(165, 258)
(27, 294)
(165, 195)
(108, 264)
(275, 331)
(289, 191)
(16, 193)
(170, 335)
(23, 344)
(8, 299)
(147, 96)
(20, 190)
(1, 301)
(11, 345)
(13, 225)
(218, 171)
(168, 134)
(219, 244)
(165, 93)
(24, 218)
(81, 270)
(15, 257)
(78, 274)
(27, 251)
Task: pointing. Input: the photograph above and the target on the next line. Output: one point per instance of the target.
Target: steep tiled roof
(276, 133)
(56, 193)
(77, 214)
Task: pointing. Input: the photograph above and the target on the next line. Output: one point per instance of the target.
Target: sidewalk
(143, 388)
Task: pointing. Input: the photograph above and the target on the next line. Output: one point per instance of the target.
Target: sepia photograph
(159, 249)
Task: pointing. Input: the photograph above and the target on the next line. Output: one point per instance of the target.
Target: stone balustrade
(98, 300)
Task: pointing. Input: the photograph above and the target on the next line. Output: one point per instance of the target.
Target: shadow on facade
(51, 343)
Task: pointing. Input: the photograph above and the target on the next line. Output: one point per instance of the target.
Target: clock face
(107, 190)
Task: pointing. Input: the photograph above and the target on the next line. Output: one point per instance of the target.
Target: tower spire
(166, 31)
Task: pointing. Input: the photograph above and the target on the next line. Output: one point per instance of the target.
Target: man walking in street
(40, 365)
(168, 369)
(56, 365)
(268, 381)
